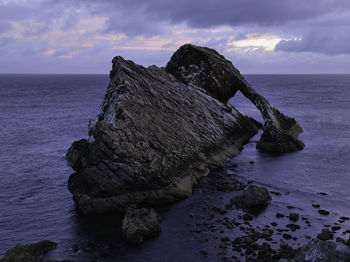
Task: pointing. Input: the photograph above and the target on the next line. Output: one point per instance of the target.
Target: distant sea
(41, 115)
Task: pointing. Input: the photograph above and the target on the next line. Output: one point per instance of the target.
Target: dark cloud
(211, 13)
(330, 42)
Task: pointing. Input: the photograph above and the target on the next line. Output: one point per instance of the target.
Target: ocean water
(41, 115)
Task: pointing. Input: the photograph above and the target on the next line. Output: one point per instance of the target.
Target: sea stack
(160, 130)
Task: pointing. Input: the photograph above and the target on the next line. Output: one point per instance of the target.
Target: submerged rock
(252, 197)
(153, 139)
(141, 224)
(205, 68)
(29, 253)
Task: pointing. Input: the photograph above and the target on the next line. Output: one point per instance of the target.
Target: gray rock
(153, 139)
(205, 68)
(141, 224)
(323, 251)
(28, 253)
(252, 197)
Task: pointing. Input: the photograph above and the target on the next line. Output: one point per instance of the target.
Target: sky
(258, 36)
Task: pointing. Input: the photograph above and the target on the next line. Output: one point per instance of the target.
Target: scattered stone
(140, 224)
(275, 193)
(336, 228)
(344, 218)
(286, 236)
(279, 215)
(315, 205)
(251, 162)
(294, 216)
(325, 235)
(323, 194)
(291, 207)
(323, 212)
(293, 227)
(274, 224)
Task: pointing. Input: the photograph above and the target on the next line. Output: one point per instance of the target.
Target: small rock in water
(279, 215)
(286, 236)
(315, 205)
(325, 235)
(344, 218)
(323, 194)
(323, 212)
(294, 216)
(252, 197)
(293, 227)
(140, 224)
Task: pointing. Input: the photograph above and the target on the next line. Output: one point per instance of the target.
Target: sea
(41, 115)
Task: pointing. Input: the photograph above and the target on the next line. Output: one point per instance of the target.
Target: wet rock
(286, 236)
(205, 68)
(294, 216)
(336, 228)
(323, 194)
(293, 227)
(325, 235)
(155, 136)
(247, 217)
(252, 197)
(344, 218)
(315, 205)
(29, 253)
(323, 212)
(141, 224)
(279, 215)
(323, 251)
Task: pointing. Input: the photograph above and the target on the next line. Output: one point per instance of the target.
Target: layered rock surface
(153, 139)
(159, 131)
(205, 68)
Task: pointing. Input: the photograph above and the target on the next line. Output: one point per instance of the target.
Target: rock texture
(153, 139)
(141, 224)
(30, 252)
(160, 130)
(206, 69)
(323, 251)
(252, 197)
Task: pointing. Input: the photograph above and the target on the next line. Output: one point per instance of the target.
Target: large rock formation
(154, 138)
(205, 68)
(160, 130)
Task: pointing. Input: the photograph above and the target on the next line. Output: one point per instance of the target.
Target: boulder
(141, 224)
(29, 253)
(205, 68)
(154, 137)
(252, 197)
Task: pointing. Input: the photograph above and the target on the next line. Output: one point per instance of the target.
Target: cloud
(334, 41)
